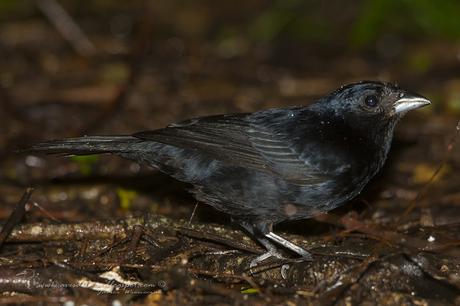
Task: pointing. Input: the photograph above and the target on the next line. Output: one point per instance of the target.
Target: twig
(16, 216)
(68, 28)
(193, 214)
(45, 212)
(385, 236)
(199, 234)
(133, 244)
(344, 282)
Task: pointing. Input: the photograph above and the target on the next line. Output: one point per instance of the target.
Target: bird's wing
(239, 140)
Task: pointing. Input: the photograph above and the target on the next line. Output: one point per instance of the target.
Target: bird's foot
(264, 234)
(306, 256)
(271, 253)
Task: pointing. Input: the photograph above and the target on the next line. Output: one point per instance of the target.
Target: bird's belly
(253, 195)
(249, 194)
(319, 198)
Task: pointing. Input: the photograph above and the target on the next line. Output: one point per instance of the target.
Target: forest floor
(99, 229)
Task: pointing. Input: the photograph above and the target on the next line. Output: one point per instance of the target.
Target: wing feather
(239, 140)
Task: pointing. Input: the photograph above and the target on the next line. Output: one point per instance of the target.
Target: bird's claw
(271, 253)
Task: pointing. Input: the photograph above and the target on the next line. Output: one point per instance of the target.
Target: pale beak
(409, 101)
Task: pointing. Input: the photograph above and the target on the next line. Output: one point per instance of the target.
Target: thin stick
(45, 212)
(16, 216)
(68, 28)
(193, 214)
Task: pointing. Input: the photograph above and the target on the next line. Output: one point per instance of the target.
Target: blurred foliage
(453, 96)
(292, 19)
(14, 8)
(6, 5)
(308, 21)
(420, 61)
(85, 163)
(358, 23)
(407, 17)
(424, 172)
(114, 73)
(126, 197)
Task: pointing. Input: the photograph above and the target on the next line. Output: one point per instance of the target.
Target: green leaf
(249, 290)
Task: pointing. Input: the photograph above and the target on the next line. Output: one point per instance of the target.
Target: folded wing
(241, 141)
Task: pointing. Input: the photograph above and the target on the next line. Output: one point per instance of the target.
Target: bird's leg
(272, 251)
(263, 232)
(257, 231)
(289, 245)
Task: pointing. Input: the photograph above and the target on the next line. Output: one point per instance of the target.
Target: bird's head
(374, 100)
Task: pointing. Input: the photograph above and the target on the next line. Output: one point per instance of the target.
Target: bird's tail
(86, 145)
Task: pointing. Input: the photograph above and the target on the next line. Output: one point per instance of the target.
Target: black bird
(273, 165)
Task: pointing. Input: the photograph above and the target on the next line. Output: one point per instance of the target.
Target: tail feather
(86, 145)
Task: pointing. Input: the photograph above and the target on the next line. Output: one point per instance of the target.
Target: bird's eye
(371, 101)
